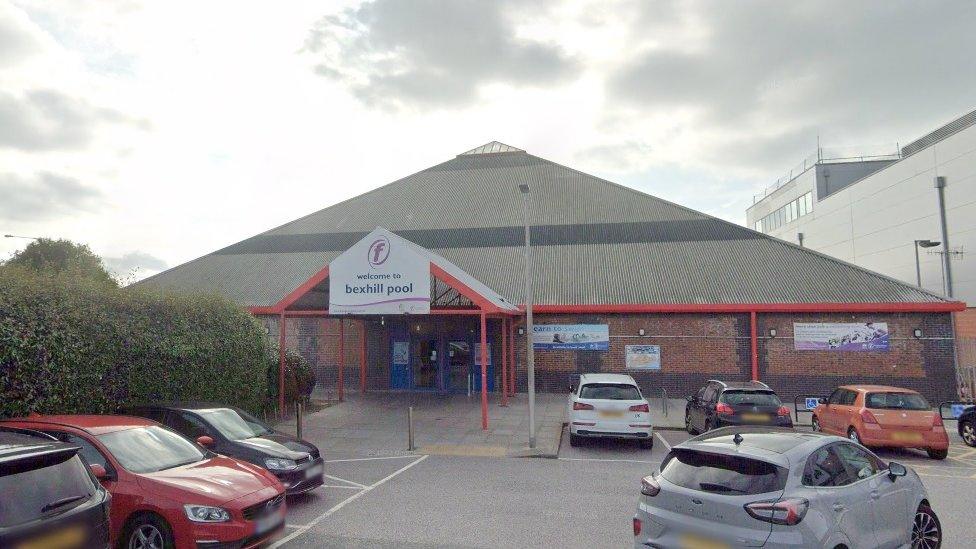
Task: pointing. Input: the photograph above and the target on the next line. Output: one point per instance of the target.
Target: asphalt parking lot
(585, 498)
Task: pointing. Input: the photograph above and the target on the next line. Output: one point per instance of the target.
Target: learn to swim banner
(836, 336)
(581, 337)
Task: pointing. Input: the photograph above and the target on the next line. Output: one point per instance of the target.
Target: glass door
(458, 362)
(425, 364)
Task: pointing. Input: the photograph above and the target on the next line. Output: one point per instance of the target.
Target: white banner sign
(380, 275)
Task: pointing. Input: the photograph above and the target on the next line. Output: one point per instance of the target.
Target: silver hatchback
(761, 487)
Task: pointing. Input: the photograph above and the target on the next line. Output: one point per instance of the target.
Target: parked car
(967, 426)
(168, 492)
(719, 403)
(778, 488)
(48, 496)
(609, 405)
(882, 416)
(298, 464)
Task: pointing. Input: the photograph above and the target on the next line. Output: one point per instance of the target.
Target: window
(825, 468)
(836, 396)
(809, 199)
(759, 225)
(710, 391)
(89, 454)
(237, 425)
(187, 424)
(149, 449)
(722, 474)
(849, 398)
(750, 398)
(26, 494)
(896, 401)
(610, 391)
(858, 462)
(792, 211)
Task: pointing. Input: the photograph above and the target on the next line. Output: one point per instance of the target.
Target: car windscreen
(149, 449)
(610, 391)
(233, 424)
(45, 491)
(734, 397)
(721, 474)
(897, 401)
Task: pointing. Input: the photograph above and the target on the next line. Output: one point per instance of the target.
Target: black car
(235, 433)
(720, 404)
(967, 426)
(48, 495)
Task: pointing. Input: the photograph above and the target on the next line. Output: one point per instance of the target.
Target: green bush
(299, 377)
(74, 345)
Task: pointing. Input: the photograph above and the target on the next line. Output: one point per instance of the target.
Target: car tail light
(937, 419)
(868, 417)
(637, 526)
(723, 409)
(582, 406)
(783, 411)
(640, 408)
(650, 486)
(786, 511)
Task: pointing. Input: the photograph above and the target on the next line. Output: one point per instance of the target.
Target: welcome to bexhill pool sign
(382, 274)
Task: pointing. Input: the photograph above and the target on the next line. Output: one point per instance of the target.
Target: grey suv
(763, 487)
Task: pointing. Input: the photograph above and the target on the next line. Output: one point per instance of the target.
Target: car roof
(93, 424)
(607, 378)
(776, 445)
(183, 406)
(876, 388)
(16, 444)
(742, 385)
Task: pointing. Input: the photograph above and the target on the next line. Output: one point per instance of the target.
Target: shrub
(74, 345)
(299, 377)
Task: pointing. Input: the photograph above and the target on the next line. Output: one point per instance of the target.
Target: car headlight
(280, 464)
(206, 513)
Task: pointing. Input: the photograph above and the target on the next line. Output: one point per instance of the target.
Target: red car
(166, 490)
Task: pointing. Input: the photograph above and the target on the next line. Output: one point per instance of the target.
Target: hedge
(70, 345)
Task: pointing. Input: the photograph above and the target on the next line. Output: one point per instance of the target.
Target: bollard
(664, 401)
(410, 446)
(469, 385)
(298, 419)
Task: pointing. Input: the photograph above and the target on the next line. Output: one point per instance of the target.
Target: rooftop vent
(493, 147)
(935, 136)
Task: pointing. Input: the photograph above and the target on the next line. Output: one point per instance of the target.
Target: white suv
(609, 405)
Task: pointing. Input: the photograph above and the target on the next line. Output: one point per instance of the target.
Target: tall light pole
(529, 350)
(918, 267)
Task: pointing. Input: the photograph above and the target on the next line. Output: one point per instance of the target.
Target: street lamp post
(918, 267)
(529, 351)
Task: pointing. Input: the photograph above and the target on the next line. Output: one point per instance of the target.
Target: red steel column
(342, 355)
(504, 329)
(362, 358)
(511, 355)
(281, 364)
(755, 346)
(484, 373)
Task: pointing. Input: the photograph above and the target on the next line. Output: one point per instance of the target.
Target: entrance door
(425, 364)
(458, 363)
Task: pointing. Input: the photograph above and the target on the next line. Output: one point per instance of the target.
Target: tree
(49, 256)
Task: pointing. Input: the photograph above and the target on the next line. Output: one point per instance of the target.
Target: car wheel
(574, 440)
(148, 532)
(926, 530)
(691, 430)
(852, 434)
(815, 423)
(647, 443)
(938, 454)
(968, 432)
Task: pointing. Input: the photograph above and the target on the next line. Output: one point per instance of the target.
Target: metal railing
(664, 401)
(807, 400)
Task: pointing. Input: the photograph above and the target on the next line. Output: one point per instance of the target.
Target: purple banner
(869, 336)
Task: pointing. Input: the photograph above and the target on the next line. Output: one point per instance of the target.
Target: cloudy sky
(159, 131)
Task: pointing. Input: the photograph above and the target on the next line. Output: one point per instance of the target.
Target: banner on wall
(643, 357)
(477, 353)
(585, 337)
(837, 336)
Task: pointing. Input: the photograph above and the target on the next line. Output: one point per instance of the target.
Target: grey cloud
(17, 42)
(771, 70)
(48, 119)
(430, 53)
(133, 262)
(44, 196)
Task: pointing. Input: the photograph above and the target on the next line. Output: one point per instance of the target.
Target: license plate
(313, 471)
(697, 542)
(906, 436)
(611, 414)
(69, 538)
(755, 418)
(268, 522)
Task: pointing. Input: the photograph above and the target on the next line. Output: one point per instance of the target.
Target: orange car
(877, 415)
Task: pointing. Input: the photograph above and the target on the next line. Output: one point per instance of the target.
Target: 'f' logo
(379, 251)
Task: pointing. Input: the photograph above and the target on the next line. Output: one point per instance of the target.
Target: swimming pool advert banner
(835, 336)
(579, 337)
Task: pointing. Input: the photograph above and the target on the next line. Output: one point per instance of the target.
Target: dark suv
(48, 496)
(235, 433)
(719, 404)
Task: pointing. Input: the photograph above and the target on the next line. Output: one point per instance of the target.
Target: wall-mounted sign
(587, 337)
(401, 352)
(382, 274)
(811, 336)
(477, 353)
(643, 357)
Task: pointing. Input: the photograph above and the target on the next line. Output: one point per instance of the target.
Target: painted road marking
(356, 484)
(344, 502)
(411, 456)
(344, 487)
(664, 442)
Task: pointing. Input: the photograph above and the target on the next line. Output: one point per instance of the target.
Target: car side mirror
(205, 441)
(99, 471)
(896, 470)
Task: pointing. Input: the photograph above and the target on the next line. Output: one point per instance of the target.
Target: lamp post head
(523, 188)
(927, 243)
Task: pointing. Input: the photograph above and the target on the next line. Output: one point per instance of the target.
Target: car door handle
(837, 507)
(875, 494)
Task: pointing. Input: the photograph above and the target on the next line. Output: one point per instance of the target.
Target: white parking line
(356, 484)
(344, 487)
(369, 458)
(343, 503)
(664, 442)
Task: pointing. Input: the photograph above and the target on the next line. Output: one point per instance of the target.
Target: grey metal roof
(595, 242)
